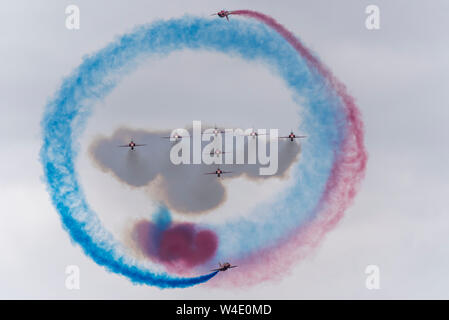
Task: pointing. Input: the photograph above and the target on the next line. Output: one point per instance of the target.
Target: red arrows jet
(223, 14)
(255, 134)
(132, 145)
(219, 172)
(292, 136)
(216, 131)
(223, 267)
(175, 136)
(217, 152)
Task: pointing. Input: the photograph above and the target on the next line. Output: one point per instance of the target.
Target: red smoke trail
(346, 174)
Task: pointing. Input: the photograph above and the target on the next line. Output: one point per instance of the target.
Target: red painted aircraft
(223, 14)
(292, 136)
(132, 145)
(219, 172)
(216, 131)
(255, 134)
(175, 136)
(223, 267)
(217, 152)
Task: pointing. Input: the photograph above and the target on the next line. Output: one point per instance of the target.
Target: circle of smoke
(325, 116)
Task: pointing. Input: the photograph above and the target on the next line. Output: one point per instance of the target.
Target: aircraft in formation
(131, 145)
(216, 131)
(176, 136)
(292, 136)
(218, 172)
(216, 152)
(255, 134)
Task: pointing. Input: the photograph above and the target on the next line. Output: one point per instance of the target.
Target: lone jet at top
(223, 14)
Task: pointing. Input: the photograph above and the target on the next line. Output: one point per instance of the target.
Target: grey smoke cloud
(184, 188)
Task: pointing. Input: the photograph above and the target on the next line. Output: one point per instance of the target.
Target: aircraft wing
(215, 270)
(220, 131)
(226, 172)
(295, 137)
(139, 145)
(257, 134)
(211, 173)
(233, 266)
(123, 145)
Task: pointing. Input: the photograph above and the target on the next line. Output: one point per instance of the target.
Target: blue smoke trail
(66, 114)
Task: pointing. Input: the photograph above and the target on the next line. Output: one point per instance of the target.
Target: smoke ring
(67, 112)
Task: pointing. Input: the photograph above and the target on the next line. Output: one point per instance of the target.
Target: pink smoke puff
(179, 247)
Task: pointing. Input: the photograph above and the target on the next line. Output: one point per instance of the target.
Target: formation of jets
(217, 152)
(215, 132)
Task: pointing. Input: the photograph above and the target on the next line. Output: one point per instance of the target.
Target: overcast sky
(399, 76)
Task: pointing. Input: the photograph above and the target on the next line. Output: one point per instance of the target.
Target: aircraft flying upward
(223, 267)
(292, 136)
(218, 172)
(223, 14)
(132, 145)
